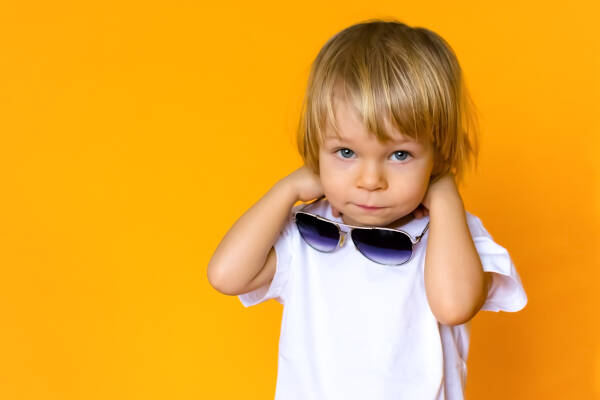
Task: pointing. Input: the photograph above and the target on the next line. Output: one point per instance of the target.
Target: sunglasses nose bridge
(342, 238)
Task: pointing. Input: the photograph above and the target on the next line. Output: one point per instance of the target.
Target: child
(385, 133)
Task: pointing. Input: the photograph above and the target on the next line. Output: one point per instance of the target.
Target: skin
(359, 169)
(396, 175)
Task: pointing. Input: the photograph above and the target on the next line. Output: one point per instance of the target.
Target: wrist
(288, 188)
(445, 200)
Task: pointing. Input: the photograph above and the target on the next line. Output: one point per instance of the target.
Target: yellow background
(134, 134)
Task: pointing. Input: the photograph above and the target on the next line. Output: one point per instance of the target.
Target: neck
(401, 221)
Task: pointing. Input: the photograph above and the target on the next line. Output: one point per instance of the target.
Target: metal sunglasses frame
(343, 234)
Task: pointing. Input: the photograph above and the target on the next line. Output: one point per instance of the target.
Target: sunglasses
(381, 245)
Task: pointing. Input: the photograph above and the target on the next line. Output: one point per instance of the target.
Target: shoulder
(475, 225)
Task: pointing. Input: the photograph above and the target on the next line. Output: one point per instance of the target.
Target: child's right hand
(305, 183)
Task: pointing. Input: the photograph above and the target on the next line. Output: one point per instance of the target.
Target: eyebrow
(393, 142)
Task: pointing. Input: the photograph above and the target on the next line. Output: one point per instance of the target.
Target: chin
(368, 220)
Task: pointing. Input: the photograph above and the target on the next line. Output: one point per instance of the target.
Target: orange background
(135, 134)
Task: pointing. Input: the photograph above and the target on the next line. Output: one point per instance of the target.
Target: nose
(371, 177)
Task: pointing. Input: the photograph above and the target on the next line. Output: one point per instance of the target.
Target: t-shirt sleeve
(275, 289)
(506, 292)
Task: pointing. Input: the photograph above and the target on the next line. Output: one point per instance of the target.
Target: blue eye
(404, 152)
(347, 152)
(342, 150)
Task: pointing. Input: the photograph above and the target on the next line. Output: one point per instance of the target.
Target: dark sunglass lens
(383, 246)
(321, 235)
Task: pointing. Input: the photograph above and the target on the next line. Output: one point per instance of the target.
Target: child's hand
(305, 183)
(441, 186)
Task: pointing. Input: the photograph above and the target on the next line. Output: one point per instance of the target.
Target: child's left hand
(441, 186)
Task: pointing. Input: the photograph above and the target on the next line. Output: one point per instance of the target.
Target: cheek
(412, 188)
(330, 182)
(422, 192)
(331, 170)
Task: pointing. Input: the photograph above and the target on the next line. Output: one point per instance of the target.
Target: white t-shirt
(355, 329)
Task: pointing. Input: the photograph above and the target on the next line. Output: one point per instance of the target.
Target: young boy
(384, 136)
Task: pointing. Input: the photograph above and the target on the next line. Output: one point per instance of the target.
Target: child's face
(360, 170)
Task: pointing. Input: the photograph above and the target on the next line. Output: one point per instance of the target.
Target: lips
(369, 207)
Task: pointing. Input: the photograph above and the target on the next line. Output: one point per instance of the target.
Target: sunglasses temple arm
(418, 238)
(312, 202)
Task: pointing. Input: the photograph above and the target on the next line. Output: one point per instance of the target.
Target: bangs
(386, 83)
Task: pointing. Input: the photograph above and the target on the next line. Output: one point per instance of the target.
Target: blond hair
(392, 72)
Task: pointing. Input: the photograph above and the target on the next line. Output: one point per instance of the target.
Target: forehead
(352, 130)
(397, 139)
(356, 137)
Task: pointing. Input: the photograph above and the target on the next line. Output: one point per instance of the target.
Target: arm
(243, 251)
(238, 264)
(455, 281)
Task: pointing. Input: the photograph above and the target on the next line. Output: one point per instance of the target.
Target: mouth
(369, 208)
